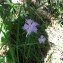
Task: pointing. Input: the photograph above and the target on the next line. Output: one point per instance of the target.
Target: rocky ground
(55, 36)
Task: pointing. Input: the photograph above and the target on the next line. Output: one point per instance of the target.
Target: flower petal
(25, 27)
(34, 29)
(42, 39)
(34, 24)
(41, 36)
(30, 26)
(29, 21)
(29, 31)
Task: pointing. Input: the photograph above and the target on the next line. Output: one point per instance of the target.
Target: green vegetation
(20, 47)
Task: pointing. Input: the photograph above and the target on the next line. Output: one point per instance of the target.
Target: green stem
(17, 38)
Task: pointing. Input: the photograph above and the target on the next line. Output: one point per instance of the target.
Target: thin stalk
(17, 38)
(29, 44)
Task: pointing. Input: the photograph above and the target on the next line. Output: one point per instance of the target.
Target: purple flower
(30, 26)
(41, 39)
